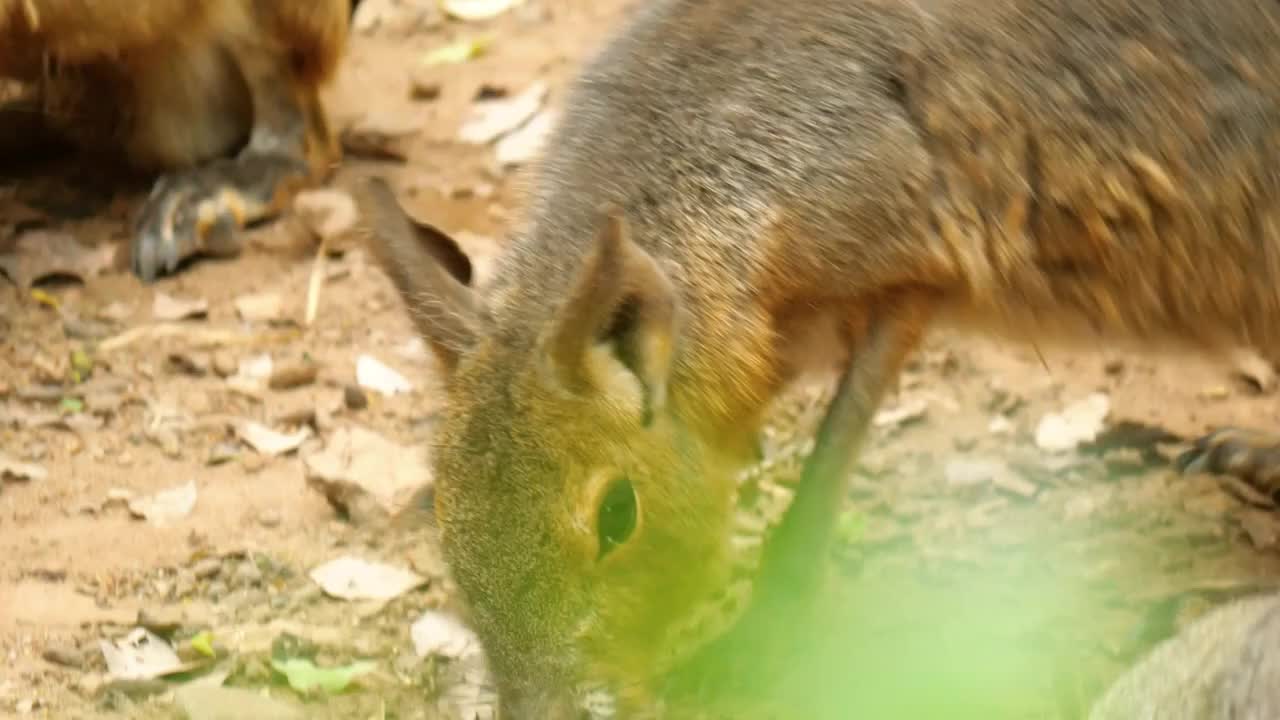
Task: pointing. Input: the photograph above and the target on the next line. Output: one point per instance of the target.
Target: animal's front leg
(202, 210)
(793, 563)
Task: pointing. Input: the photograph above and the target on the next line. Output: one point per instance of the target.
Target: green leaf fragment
(304, 676)
(203, 643)
(81, 365)
(457, 52)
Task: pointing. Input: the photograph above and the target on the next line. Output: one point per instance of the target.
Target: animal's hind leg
(1251, 455)
(202, 210)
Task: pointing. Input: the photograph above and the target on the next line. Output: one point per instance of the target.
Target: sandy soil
(1018, 597)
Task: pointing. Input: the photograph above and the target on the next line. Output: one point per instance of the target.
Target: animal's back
(1107, 160)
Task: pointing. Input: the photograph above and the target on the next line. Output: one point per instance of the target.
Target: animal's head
(580, 519)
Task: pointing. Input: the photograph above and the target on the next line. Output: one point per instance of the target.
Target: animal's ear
(621, 302)
(428, 268)
(444, 249)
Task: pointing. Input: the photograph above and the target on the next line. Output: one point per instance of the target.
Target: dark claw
(157, 241)
(1251, 456)
(202, 211)
(166, 231)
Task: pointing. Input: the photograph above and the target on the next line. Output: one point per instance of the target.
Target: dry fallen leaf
(11, 469)
(907, 410)
(270, 442)
(358, 465)
(1000, 425)
(1078, 423)
(140, 655)
(413, 349)
(262, 307)
(166, 506)
(442, 635)
(167, 308)
(373, 374)
(491, 119)
(351, 578)
(41, 254)
(257, 367)
(525, 144)
(252, 375)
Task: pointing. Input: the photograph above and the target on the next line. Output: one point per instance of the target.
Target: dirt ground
(982, 575)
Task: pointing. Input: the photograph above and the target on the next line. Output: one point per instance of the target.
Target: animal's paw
(201, 211)
(1250, 455)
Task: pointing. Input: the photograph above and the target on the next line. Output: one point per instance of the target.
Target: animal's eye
(617, 518)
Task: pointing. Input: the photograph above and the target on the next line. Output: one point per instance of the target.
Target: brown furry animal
(220, 96)
(742, 190)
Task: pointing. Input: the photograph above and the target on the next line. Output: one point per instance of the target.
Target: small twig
(316, 283)
(197, 336)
